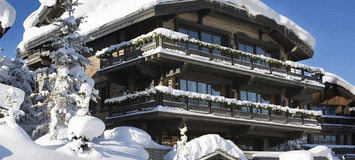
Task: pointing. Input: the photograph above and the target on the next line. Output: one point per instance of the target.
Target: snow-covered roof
(7, 14)
(334, 79)
(100, 13)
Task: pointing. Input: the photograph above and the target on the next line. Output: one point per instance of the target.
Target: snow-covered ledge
(180, 37)
(206, 97)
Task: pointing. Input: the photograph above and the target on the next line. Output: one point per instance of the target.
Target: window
(330, 139)
(329, 111)
(200, 87)
(245, 48)
(318, 139)
(168, 140)
(191, 34)
(209, 38)
(258, 50)
(205, 37)
(255, 97)
(317, 108)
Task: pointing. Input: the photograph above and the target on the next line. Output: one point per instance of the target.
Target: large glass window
(192, 35)
(329, 111)
(205, 37)
(258, 50)
(200, 87)
(255, 97)
(209, 38)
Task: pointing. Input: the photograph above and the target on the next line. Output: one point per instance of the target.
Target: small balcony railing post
(252, 63)
(110, 60)
(286, 117)
(124, 107)
(302, 71)
(187, 104)
(302, 117)
(288, 70)
(110, 110)
(270, 68)
(269, 114)
(232, 110)
(232, 59)
(251, 113)
(210, 107)
(158, 99)
(211, 54)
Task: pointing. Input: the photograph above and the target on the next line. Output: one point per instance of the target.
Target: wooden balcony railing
(246, 63)
(147, 103)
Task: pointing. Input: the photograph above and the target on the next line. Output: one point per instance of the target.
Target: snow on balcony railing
(180, 37)
(206, 97)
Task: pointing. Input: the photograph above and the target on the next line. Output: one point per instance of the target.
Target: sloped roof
(102, 13)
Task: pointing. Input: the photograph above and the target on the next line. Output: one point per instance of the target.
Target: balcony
(155, 45)
(337, 123)
(204, 105)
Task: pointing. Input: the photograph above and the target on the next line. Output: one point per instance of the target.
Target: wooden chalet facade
(201, 69)
(337, 122)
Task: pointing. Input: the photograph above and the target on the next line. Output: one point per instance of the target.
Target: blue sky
(331, 22)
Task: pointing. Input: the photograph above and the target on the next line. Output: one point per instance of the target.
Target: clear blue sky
(331, 22)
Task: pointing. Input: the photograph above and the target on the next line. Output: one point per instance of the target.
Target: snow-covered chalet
(227, 67)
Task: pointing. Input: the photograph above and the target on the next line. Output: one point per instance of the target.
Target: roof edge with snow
(254, 11)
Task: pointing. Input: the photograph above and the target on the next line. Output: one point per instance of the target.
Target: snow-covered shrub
(14, 72)
(130, 135)
(68, 89)
(292, 144)
(83, 129)
(206, 145)
(10, 101)
(182, 151)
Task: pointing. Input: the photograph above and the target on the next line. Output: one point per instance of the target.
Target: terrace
(176, 47)
(204, 105)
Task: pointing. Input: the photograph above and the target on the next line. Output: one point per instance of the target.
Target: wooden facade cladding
(331, 97)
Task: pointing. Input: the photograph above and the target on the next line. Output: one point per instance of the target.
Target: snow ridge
(218, 99)
(334, 79)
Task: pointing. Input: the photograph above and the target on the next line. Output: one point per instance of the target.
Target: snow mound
(334, 79)
(322, 151)
(208, 144)
(85, 126)
(296, 155)
(7, 14)
(17, 94)
(15, 144)
(129, 135)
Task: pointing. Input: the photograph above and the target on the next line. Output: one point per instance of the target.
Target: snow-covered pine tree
(14, 72)
(69, 89)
